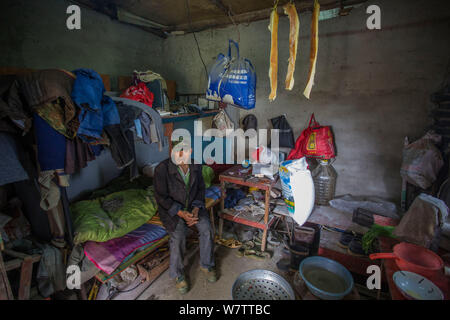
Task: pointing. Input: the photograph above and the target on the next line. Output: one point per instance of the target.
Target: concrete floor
(229, 265)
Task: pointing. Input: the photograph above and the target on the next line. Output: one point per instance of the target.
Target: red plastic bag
(315, 141)
(140, 93)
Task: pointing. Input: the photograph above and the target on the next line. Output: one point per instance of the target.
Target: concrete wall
(34, 35)
(372, 87)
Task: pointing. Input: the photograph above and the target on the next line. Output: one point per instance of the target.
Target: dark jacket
(170, 192)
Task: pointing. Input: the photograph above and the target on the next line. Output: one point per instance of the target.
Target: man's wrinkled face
(182, 156)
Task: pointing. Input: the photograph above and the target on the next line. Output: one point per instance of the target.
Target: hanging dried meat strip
(314, 48)
(294, 23)
(273, 69)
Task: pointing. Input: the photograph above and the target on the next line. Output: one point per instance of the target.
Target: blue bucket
(331, 266)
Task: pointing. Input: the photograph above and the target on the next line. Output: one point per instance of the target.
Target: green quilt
(118, 208)
(113, 215)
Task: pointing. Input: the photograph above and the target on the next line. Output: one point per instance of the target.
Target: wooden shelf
(247, 218)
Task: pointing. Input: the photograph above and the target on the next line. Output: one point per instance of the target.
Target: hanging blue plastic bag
(232, 80)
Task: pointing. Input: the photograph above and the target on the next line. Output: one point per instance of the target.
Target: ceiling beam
(110, 9)
(219, 4)
(247, 17)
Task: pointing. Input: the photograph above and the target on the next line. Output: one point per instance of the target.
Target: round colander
(261, 285)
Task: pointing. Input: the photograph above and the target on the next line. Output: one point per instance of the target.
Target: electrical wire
(230, 15)
(114, 291)
(195, 37)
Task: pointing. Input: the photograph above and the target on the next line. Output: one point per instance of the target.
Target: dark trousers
(178, 245)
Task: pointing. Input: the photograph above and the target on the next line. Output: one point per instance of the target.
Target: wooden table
(241, 176)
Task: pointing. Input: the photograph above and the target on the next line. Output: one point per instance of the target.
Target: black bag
(286, 134)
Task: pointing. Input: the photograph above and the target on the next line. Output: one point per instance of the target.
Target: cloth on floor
(78, 258)
(49, 190)
(51, 145)
(107, 256)
(35, 90)
(97, 110)
(78, 154)
(51, 276)
(422, 223)
(233, 196)
(153, 114)
(213, 193)
(92, 222)
(348, 203)
(11, 169)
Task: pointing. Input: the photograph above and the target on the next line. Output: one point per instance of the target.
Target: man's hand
(188, 217)
(195, 211)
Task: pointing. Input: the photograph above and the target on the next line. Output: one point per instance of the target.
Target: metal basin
(326, 278)
(261, 285)
(416, 287)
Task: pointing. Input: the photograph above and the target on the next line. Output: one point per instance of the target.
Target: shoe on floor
(211, 274)
(182, 285)
(355, 247)
(346, 238)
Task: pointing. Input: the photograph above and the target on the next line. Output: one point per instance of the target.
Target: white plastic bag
(349, 203)
(422, 161)
(223, 122)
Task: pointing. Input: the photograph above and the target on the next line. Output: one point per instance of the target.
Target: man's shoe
(355, 247)
(211, 274)
(345, 239)
(182, 285)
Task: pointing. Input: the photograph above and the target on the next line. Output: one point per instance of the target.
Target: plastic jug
(324, 177)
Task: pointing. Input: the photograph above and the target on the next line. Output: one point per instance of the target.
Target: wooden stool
(23, 261)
